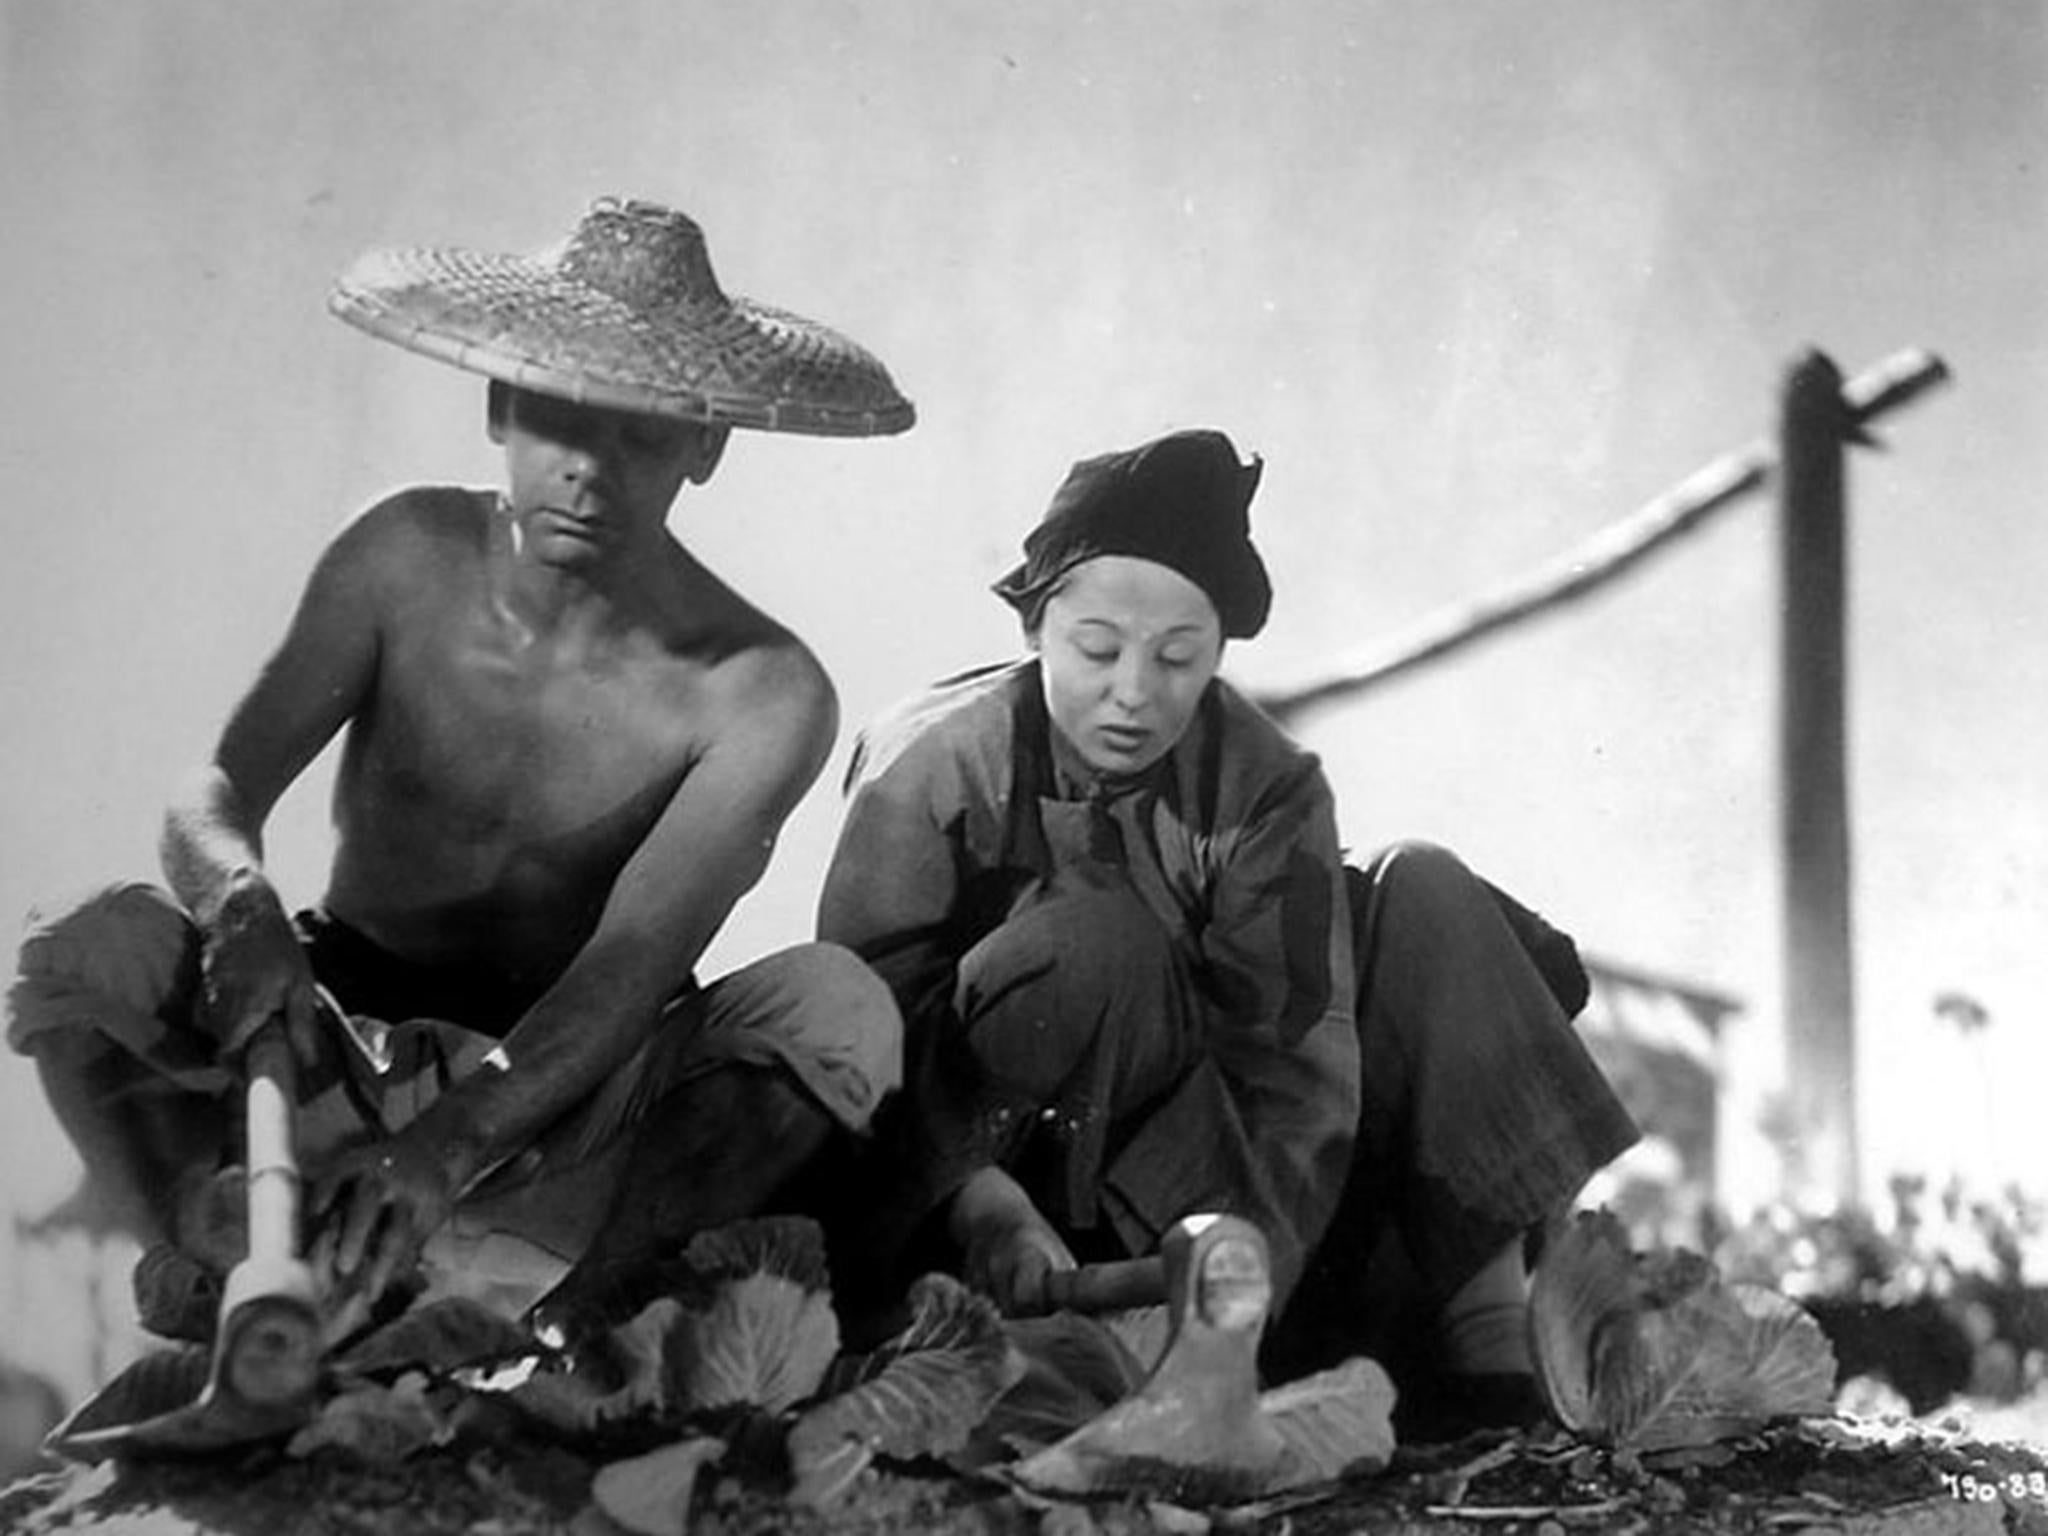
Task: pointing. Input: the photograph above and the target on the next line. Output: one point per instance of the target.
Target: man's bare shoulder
(743, 645)
(781, 666)
(765, 669)
(422, 528)
(405, 551)
(756, 676)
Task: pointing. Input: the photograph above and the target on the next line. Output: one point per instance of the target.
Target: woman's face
(1126, 647)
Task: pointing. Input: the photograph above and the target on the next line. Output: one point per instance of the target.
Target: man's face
(586, 479)
(1126, 648)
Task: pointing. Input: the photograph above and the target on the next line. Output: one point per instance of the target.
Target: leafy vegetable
(160, 1405)
(441, 1336)
(1335, 1422)
(828, 1469)
(629, 1382)
(1073, 1368)
(791, 1247)
(757, 1327)
(921, 1394)
(376, 1424)
(762, 1341)
(650, 1495)
(157, 1383)
(1653, 1351)
(750, 1325)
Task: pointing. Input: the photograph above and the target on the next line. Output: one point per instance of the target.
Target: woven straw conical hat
(624, 313)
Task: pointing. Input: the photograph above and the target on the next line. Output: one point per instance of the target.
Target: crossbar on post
(1610, 553)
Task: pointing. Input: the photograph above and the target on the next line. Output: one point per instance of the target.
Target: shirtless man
(569, 749)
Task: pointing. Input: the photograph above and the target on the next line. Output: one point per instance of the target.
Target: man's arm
(212, 844)
(710, 845)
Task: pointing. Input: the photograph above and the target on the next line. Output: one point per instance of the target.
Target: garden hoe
(265, 1363)
(1113, 1286)
(1199, 1409)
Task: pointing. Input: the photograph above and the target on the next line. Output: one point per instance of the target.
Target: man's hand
(255, 971)
(375, 1209)
(1009, 1246)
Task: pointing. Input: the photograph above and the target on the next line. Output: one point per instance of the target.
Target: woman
(1138, 981)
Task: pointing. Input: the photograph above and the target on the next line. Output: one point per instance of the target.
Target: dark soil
(1788, 1479)
(1814, 1476)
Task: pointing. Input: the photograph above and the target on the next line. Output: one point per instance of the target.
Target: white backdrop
(1475, 278)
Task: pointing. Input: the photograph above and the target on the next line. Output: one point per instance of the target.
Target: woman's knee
(1036, 993)
(1414, 873)
(1418, 915)
(1072, 946)
(1419, 863)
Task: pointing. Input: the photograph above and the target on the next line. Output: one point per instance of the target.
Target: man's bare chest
(526, 747)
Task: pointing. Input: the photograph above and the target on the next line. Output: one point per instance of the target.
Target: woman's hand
(1009, 1246)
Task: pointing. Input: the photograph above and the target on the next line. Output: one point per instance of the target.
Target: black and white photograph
(1175, 766)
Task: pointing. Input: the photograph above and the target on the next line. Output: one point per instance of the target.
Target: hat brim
(519, 319)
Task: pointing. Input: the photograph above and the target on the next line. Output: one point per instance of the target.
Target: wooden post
(1815, 426)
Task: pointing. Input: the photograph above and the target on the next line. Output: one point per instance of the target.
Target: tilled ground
(1798, 1478)
(1809, 1477)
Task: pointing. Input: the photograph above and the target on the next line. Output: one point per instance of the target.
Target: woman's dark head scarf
(1182, 501)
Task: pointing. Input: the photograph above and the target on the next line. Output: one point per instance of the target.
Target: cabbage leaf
(650, 1495)
(1654, 1352)
(921, 1394)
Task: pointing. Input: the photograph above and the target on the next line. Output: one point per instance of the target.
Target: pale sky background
(1475, 278)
